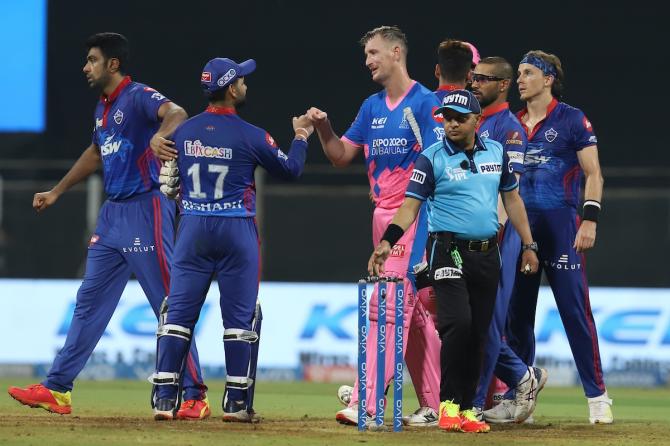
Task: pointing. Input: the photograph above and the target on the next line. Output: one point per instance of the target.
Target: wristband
(531, 246)
(306, 135)
(591, 210)
(393, 234)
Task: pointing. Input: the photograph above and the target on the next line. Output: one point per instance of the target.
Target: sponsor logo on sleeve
(485, 134)
(98, 123)
(513, 138)
(593, 139)
(515, 157)
(157, 96)
(94, 240)
(281, 155)
(448, 273)
(418, 176)
(270, 140)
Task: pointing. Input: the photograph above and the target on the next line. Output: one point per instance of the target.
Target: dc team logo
(118, 117)
(404, 124)
(551, 134)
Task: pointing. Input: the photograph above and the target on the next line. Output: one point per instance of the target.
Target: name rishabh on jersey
(125, 122)
(218, 154)
(553, 176)
(389, 144)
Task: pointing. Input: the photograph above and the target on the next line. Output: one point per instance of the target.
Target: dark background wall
(307, 54)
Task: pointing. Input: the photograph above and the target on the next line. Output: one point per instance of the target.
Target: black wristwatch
(532, 246)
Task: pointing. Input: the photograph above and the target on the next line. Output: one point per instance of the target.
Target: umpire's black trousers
(465, 301)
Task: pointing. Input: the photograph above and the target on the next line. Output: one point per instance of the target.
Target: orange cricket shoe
(449, 419)
(36, 395)
(194, 410)
(470, 422)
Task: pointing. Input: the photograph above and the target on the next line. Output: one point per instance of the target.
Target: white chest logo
(485, 134)
(118, 116)
(551, 134)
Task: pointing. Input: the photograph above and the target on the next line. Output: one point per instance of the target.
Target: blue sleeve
(276, 162)
(508, 180)
(358, 132)
(431, 130)
(149, 101)
(581, 131)
(422, 181)
(514, 141)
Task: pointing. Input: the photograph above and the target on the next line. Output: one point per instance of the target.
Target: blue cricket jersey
(388, 141)
(462, 195)
(218, 154)
(499, 124)
(553, 176)
(125, 122)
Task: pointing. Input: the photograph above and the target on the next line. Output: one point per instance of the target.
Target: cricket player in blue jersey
(391, 140)
(491, 80)
(561, 151)
(135, 229)
(217, 154)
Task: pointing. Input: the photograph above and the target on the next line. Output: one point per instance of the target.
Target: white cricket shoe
(344, 394)
(349, 416)
(422, 417)
(600, 410)
(501, 413)
(525, 398)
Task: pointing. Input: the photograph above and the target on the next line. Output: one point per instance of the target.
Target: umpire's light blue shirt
(462, 194)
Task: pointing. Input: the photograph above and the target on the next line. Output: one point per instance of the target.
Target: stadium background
(318, 230)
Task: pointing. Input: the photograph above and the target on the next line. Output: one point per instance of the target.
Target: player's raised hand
(303, 126)
(378, 257)
(163, 148)
(317, 116)
(43, 200)
(586, 236)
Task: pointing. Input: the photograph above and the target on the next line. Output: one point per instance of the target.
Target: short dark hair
(455, 60)
(389, 33)
(112, 46)
(502, 68)
(559, 79)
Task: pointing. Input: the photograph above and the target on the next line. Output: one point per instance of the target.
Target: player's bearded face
(485, 91)
(531, 81)
(96, 69)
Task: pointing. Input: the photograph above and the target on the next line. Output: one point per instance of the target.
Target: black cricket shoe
(165, 409)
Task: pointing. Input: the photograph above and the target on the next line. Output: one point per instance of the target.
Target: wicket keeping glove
(169, 179)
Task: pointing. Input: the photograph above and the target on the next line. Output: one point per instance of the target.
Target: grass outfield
(118, 413)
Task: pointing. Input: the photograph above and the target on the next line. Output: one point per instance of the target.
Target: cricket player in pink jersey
(391, 142)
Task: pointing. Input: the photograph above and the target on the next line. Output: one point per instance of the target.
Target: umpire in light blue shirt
(460, 178)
